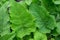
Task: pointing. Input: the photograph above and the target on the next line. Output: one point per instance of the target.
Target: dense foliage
(29, 19)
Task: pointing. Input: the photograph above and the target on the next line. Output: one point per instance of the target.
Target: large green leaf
(22, 21)
(44, 21)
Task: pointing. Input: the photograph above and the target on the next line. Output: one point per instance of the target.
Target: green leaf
(8, 36)
(22, 21)
(44, 21)
(4, 18)
(39, 36)
(56, 1)
(25, 31)
(58, 27)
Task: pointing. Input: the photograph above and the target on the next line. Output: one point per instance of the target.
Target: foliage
(29, 19)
